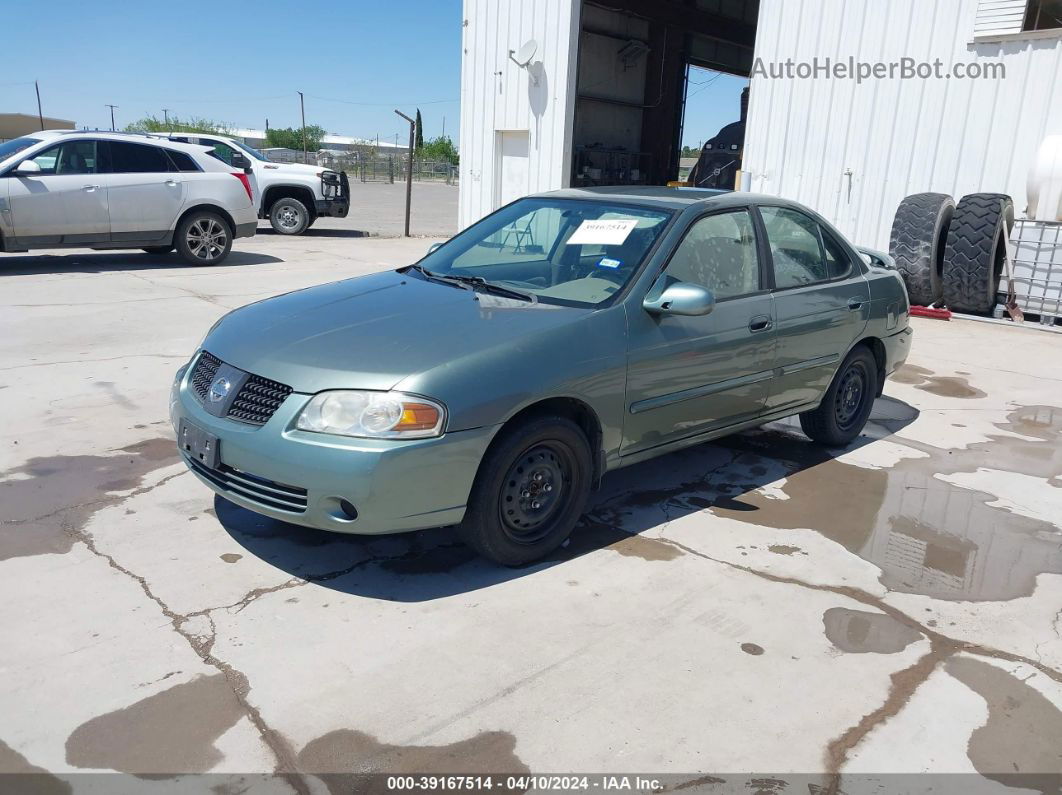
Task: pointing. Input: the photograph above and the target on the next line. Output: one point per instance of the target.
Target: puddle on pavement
(31, 779)
(50, 497)
(171, 732)
(594, 532)
(1023, 734)
(338, 754)
(946, 386)
(927, 536)
(861, 631)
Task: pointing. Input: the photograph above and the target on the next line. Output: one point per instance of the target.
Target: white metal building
(603, 97)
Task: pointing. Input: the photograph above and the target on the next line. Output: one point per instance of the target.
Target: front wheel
(203, 238)
(289, 217)
(844, 410)
(531, 489)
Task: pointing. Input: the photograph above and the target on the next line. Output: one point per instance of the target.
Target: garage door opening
(638, 61)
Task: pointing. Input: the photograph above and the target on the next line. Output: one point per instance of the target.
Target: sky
(242, 63)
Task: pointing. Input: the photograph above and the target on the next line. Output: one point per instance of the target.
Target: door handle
(855, 303)
(172, 183)
(760, 323)
(89, 188)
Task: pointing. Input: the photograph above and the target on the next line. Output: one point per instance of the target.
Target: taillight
(246, 183)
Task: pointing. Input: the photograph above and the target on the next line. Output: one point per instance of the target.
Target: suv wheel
(289, 217)
(203, 238)
(532, 487)
(844, 410)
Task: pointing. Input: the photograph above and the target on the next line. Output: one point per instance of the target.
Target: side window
(838, 263)
(795, 247)
(181, 161)
(719, 252)
(69, 157)
(129, 158)
(48, 159)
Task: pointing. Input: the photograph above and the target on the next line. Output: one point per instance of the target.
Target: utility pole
(166, 118)
(444, 127)
(40, 113)
(409, 163)
(112, 107)
(302, 107)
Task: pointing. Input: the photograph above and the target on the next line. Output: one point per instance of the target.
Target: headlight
(373, 415)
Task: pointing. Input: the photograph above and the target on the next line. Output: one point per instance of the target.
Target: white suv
(65, 189)
(291, 195)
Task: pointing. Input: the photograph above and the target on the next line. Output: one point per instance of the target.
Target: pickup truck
(291, 195)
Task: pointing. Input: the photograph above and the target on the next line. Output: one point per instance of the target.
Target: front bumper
(335, 208)
(395, 486)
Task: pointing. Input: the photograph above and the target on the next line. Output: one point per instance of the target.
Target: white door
(66, 202)
(146, 193)
(512, 170)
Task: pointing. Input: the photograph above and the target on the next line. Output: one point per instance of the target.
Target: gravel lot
(752, 605)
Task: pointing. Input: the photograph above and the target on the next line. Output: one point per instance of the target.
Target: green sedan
(491, 385)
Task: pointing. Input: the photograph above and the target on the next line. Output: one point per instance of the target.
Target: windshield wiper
(497, 289)
(453, 281)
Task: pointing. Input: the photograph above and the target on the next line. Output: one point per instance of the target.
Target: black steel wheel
(530, 490)
(844, 410)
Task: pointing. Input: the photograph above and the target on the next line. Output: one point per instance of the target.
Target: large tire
(530, 490)
(203, 238)
(919, 234)
(977, 245)
(844, 410)
(289, 216)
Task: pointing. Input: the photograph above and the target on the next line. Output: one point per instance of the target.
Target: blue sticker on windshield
(608, 263)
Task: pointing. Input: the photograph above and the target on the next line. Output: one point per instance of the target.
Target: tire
(158, 250)
(844, 410)
(289, 216)
(973, 258)
(203, 238)
(919, 235)
(545, 462)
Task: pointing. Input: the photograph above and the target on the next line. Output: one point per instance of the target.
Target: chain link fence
(387, 168)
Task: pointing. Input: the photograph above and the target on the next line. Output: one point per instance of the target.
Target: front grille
(205, 370)
(271, 494)
(257, 400)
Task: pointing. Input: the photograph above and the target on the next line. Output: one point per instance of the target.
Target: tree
(175, 124)
(441, 149)
(291, 137)
(419, 136)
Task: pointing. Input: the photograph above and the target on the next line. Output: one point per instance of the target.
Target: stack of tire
(952, 254)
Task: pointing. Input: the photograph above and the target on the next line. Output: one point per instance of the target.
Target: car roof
(666, 198)
(136, 137)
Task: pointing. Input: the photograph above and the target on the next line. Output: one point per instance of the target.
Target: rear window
(181, 161)
(137, 159)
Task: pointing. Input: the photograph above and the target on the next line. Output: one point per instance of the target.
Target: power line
(383, 104)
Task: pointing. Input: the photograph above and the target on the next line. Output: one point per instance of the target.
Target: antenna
(523, 56)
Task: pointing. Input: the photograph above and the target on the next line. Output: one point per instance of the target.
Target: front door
(689, 375)
(65, 203)
(146, 192)
(512, 172)
(822, 303)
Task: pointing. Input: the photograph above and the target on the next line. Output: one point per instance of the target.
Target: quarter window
(129, 158)
(181, 161)
(796, 247)
(837, 261)
(719, 252)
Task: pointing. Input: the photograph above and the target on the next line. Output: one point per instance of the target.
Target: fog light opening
(348, 509)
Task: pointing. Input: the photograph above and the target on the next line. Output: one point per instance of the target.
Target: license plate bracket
(203, 447)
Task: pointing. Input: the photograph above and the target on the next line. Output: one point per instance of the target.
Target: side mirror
(27, 167)
(679, 298)
(242, 161)
(433, 247)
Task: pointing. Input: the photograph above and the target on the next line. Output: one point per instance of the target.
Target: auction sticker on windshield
(611, 232)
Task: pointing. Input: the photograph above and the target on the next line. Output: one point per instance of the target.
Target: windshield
(564, 251)
(252, 151)
(9, 148)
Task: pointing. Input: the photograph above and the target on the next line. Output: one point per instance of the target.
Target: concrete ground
(753, 606)
(378, 210)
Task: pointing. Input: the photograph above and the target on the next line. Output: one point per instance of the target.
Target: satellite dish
(523, 56)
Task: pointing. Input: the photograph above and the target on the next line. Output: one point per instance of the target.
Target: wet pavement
(754, 608)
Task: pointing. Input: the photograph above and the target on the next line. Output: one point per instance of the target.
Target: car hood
(373, 331)
(302, 169)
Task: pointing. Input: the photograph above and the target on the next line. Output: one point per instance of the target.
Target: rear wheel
(844, 410)
(203, 238)
(289, 216)
(532, 487)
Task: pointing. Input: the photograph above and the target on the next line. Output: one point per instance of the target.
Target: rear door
(821, 302)
(689, 375)
(66, 202)
(146, 192)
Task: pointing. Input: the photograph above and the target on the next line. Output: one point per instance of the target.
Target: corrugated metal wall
(497, 95)
(894, 136)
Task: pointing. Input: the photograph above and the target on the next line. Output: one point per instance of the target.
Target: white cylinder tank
(1045, 181)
